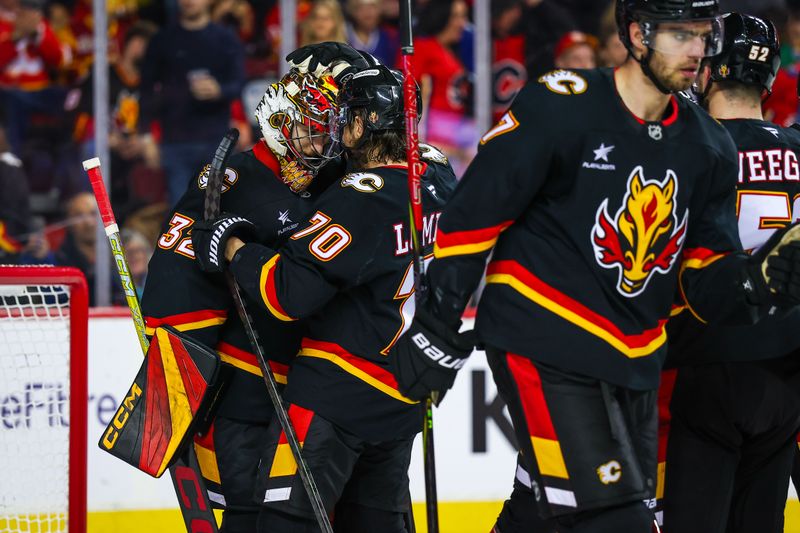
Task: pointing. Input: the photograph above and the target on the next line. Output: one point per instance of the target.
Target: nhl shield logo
(644, 236)
(724, 71)
(373, 117)
(655, 132)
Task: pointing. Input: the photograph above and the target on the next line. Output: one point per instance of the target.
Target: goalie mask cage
(43, 399)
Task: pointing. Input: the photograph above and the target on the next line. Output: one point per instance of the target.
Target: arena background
(475, 461)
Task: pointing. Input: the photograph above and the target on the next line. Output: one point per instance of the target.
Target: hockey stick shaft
(92, 168)
(211, 211)
(189, 486)
(415, 219)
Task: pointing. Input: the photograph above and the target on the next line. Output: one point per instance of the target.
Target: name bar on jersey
(402, 242)
(777, 164)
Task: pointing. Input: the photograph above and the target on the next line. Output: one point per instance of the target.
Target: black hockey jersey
(348, 271)
(594, 216)
(768, 191)
(179, 294)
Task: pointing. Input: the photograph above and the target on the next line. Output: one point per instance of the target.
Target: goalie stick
(190, 489)
(211, 211)
(415, 221)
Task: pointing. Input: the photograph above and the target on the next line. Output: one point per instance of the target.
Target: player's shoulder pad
(557, 96)
(365, 182)
(439, 179)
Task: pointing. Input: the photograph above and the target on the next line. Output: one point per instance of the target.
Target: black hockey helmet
(378, 91)
(750, 52)
(649, 13)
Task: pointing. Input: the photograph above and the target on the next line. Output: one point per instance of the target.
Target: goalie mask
(295, 116)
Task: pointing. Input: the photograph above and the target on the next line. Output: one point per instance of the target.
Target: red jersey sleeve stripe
(187, 321)
(268, 293)
(366, 371)
(467, 242)
(526, 283)
(248, 362)
(700, 257)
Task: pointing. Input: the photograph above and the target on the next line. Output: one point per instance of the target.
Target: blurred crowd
(183, 71)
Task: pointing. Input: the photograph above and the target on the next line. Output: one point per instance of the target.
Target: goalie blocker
(169, 401)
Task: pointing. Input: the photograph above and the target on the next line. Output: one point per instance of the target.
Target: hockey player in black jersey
(733, 424)
(272, 184)
(600, 194)
(348, 271)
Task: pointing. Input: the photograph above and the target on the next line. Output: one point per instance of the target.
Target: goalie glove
(427, 357)
(773, 271)
(336, 59)
(209, 239)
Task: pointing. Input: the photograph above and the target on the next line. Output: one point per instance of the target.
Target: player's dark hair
(383, 146)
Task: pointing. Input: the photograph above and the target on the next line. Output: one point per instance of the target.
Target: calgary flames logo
(644, 236)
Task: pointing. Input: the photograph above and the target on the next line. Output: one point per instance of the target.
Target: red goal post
(43, 398)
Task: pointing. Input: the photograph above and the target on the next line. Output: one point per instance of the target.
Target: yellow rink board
(466, 517)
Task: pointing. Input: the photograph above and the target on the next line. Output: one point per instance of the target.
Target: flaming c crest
(644, 236)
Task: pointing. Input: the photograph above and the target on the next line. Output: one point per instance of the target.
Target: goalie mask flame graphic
(644, 236)
(295, 116)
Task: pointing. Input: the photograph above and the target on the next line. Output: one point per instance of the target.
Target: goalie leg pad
(174, 389)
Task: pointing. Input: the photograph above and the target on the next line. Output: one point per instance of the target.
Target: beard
(672, 77)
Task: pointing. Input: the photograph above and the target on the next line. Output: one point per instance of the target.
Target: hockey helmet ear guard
(296, 119)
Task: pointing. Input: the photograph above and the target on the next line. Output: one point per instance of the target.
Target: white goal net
(41, 461)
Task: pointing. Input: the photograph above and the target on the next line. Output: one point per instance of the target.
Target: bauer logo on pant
(644, 236)
(610, 472)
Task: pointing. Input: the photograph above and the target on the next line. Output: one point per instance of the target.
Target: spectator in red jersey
(575, 50)
(29, 52)
(364, 31)
(508, 68)
(446, 84)
(325, 22)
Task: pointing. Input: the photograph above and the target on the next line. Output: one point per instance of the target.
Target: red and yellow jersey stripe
(362, 369)
(187, 321)
(520, 279)
(699, 258)
(696, 259)
(283, 464)
(268, 292)
(544, 439)
(248, 362)
(467, 242)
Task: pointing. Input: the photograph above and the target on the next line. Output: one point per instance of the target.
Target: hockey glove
(209, 240)
(774, 269)
(427, 357)
(338, 59)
